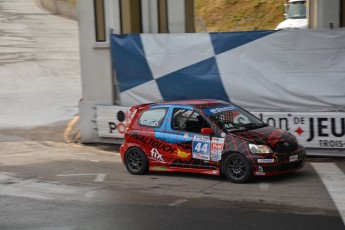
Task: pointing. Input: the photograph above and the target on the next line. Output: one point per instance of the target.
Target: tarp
(288, 70)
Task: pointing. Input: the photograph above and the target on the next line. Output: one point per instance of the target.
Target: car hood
(265, 136)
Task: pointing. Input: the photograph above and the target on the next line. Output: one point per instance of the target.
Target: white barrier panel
(112, 121)
(313, 130)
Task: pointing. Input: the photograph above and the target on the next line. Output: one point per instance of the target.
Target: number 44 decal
(201, 147)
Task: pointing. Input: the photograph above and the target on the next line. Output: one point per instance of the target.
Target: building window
(342, 13)
(130, 11)
(189, 11)
(100, 20)
(163, 16)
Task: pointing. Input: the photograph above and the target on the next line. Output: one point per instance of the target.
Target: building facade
(100, 18)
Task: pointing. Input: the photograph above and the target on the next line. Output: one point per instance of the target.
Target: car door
(192, 148)
(149, 126)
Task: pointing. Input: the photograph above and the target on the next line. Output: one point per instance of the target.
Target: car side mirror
(206, 131)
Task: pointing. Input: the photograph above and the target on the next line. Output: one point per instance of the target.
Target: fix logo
(155, 155)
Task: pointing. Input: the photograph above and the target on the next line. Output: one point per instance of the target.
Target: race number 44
(201, 147)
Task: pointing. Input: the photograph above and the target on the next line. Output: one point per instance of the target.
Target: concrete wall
(98, 81)
(96, 69)
(323, 13)
(59, 8)
(328, 13)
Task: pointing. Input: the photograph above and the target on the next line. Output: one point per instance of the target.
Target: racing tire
(136, 161)
(236, 168)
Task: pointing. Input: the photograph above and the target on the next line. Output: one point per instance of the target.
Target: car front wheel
(136, 161)
(236, 168)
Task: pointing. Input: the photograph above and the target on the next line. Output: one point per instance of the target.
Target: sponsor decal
(182, 154)
(260, 171)
(219, 109)
(153, 143)
(201, 147)
(155, 155)
(217, 145)
(185, 135)
(293, 158)
(265, 161)
(159, 168)
(149, 123)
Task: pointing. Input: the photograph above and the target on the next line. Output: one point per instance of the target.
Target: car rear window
(152, 117)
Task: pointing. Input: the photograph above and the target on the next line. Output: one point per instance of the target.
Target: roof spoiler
(133, 108)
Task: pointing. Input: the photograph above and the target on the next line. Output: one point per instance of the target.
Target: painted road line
(178, 202)
(334, 180)
(99, 176)
(17, 155)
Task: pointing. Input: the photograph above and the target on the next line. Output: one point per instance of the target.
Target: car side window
(188, 120)
(152, 117)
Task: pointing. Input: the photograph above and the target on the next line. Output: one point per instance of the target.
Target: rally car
(210, 137)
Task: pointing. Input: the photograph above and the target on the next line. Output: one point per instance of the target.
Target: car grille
(284, 167)
(285, 147)
(289, 166)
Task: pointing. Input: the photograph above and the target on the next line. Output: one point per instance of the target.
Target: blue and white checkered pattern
(171, 67)
(259, 70)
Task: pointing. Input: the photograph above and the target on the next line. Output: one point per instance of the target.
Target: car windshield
(231, 118)
(297, 10)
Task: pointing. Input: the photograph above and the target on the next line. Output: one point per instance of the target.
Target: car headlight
(260, 149)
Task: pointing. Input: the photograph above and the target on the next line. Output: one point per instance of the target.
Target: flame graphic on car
(182, 154)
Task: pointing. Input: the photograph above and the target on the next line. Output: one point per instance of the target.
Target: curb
(58, 7)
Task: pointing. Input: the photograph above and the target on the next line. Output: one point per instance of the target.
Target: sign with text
(312, 129)
(112, 121)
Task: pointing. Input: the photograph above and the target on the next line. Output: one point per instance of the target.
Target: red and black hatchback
(210, 137)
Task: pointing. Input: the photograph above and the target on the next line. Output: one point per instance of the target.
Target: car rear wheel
(236, 168)
(136, 161)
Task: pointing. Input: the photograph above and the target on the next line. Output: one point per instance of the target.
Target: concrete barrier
(59, 8)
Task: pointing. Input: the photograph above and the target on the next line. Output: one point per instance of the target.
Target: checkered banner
(288, 70)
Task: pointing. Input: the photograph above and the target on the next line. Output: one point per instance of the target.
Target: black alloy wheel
(236, 168)
(136, 161)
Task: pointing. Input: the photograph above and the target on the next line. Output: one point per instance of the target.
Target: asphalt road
(54, 185)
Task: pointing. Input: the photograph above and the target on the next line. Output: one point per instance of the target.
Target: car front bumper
(278, 163)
